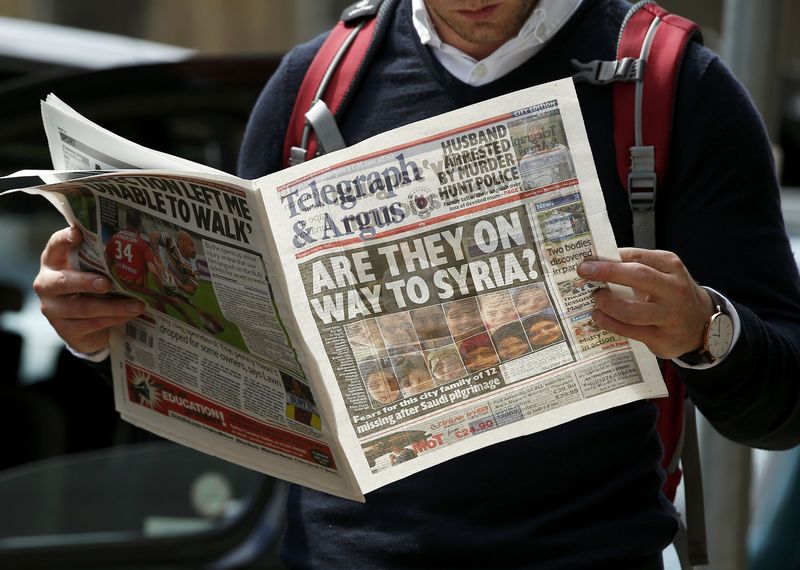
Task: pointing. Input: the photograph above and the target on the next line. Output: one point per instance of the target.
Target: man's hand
(74, 301)
(669, 310)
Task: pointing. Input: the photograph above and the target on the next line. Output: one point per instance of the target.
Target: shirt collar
(546, 19)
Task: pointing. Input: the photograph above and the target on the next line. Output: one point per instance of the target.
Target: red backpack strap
(650, 50)
(643, 113)
(643, 110)
(330, 79)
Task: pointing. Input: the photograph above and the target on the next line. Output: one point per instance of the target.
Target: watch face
(720, 335)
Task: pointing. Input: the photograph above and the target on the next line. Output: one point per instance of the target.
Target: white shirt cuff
(96, 356)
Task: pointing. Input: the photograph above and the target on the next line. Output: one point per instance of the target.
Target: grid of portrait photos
(406, 353)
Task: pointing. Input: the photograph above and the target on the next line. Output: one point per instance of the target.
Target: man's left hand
(669, 310)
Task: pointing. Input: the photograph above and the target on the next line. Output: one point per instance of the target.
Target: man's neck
(479, 32)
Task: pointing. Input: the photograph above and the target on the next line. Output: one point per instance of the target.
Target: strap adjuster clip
(642, 179)
(599, 72)
(297, 155)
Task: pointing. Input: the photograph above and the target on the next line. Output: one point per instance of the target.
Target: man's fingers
(668, 310)
(643, 333)
(83, 320)
(83, 328)
(634, 312)
(91, 308)
(76, 302)
(663, 261)
(69, 282)
(56, 252)
(638, 276)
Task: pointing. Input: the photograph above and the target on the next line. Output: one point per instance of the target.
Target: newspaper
(366, 315)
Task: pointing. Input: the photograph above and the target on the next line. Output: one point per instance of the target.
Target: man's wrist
(710, 309)
(697, 359)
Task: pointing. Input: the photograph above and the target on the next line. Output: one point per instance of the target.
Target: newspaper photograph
(366, 315)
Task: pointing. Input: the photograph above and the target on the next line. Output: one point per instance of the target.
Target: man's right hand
(74, 301)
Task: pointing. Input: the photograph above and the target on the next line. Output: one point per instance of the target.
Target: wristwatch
(717, 335)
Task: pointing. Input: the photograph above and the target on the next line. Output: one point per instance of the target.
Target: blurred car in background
(80, 488)
(32, 51)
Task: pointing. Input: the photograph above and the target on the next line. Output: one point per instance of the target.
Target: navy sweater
(585, 494)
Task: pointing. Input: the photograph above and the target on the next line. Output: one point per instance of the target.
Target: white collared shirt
(545, 20)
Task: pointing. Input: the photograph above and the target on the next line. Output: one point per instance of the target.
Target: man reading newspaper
(586, 494)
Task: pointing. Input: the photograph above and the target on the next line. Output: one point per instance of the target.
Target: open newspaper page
(433, 269)
(76, 143)
(210, 364)
(408, 300)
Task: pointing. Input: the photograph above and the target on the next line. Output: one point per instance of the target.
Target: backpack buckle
(599, 72)
(319, 119)
(642, 179)
(642, 191)
(323, 123)
(297, 155)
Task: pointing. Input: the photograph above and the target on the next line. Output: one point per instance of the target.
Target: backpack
(650, 50)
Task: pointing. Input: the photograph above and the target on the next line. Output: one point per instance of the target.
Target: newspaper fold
(366, 315)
